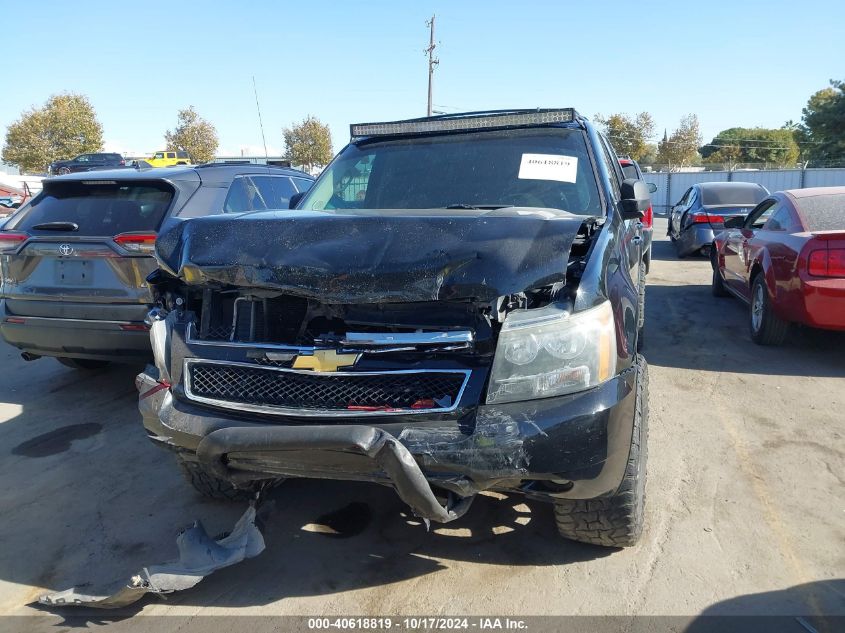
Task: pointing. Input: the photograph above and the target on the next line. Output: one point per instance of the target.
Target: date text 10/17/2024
(418, 623)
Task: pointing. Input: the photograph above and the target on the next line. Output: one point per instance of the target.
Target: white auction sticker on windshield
(548, 167)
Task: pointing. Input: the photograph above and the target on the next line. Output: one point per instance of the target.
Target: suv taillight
(137, 242)
(648, 218)
(10, 241)
(828, 262)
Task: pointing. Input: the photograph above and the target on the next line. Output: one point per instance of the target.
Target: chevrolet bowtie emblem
(325, 360)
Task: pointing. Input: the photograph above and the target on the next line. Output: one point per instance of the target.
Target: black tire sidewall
(718, 284)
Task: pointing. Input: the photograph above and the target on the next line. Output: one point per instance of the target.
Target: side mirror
(651, 187)
(735, 222)
(635, 199)
(295, 199)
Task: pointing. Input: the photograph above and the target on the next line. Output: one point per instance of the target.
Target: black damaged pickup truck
(454, 306)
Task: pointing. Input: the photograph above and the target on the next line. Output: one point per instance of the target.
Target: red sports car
(786, 259)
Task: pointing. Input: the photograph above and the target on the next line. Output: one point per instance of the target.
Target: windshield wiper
(462, 205)
(56, 226)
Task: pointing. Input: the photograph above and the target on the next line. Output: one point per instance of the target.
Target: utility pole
(432, 60)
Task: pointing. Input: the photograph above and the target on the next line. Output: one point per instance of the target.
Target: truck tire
(615, 521)
(765, 326)
(210, 486)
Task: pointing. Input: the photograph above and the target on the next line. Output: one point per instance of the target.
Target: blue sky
(740, 63)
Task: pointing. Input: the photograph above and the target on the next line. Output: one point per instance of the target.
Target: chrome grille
(295, 392)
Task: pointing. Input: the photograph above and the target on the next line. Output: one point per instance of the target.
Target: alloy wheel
(757, 307)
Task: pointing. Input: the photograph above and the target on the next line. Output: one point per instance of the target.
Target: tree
(65, 126)
(628, 135)
(752, 145)
(824, 124)
(681, 148)
(802, 139)
(727, 155)
(194, 135)
(649, 156)
(308, 143)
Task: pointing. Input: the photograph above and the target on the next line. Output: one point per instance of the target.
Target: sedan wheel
(766, 327)
(62, 171)
(757, 307)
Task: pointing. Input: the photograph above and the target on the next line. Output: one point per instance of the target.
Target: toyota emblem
(65, 249)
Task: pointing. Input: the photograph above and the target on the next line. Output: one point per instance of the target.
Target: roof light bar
(464, 122)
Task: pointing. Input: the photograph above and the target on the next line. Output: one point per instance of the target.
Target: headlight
(550, 352)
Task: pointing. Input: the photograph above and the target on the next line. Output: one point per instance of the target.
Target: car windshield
(547, 167)
(96, 209)
(748, 196)
(823, 213)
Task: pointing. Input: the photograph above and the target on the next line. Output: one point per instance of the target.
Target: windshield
(544, 167)
(747, 196)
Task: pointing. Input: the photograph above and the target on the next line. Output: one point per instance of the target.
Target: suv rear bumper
(75, 338)
(573, 447)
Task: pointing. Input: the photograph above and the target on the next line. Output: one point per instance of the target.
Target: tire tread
(210, 486)
(615, 521)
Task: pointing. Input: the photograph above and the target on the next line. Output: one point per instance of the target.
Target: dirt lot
(746, 502)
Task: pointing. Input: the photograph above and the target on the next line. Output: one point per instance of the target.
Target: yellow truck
(169, 158)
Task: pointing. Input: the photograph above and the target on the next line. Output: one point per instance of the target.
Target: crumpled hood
(374, 256)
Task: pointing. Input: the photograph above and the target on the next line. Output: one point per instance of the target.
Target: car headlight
(551, 352)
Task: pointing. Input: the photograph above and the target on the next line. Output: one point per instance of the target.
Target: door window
(303, 184)
(780, 218)
(759, 215)
(693, 196)
(257, 193)
(276, 191)
(613, 170)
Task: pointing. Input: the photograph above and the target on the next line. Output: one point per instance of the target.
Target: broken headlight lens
(551, 352)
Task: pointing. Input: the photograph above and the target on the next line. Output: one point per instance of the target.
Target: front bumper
(573, 447)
